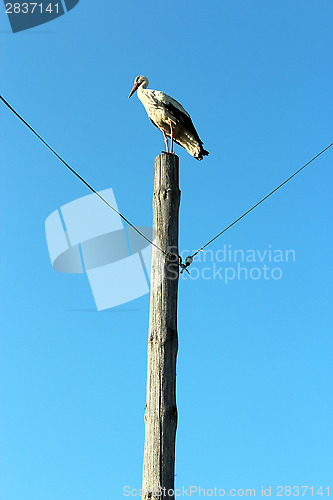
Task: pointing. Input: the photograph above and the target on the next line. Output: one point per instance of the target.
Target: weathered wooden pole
(161, 409)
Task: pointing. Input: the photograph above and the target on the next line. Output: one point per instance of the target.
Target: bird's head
(140, 81)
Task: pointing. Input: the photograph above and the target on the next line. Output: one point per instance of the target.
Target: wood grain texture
(161, 409)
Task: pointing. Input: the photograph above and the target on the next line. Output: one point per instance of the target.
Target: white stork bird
(170, 117)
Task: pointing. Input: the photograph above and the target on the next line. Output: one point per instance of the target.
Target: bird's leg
(166, 141)
(171, 137)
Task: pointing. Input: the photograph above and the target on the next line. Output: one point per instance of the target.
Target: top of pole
(166, 154)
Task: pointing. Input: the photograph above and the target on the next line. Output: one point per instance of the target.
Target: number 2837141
(31, 7)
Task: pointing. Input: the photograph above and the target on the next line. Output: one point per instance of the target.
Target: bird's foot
(171, 138)
(166, 142)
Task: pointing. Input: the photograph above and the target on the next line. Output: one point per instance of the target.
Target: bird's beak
(135, 87)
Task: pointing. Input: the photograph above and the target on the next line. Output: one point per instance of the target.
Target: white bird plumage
(170, 117)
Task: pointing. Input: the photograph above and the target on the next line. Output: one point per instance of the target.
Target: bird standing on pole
(170, 117)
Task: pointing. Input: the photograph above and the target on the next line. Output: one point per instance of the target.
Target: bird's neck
(141, 91)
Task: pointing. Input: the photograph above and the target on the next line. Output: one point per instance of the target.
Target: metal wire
(78, 175)
(259, 202)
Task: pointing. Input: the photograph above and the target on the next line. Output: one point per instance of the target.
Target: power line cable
(189, 259)
(78, 175)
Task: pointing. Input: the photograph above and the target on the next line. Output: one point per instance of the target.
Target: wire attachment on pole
(184, 266)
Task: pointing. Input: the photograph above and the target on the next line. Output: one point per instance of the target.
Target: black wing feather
(184, 119)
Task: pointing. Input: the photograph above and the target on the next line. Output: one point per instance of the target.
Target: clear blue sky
(255, 356)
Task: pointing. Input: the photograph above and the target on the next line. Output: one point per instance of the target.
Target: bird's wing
(180, 114)
(167, 101)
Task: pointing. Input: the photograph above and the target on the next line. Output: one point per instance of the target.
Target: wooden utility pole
(161, 408)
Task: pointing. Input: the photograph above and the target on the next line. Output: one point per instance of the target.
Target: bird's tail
(202, 153)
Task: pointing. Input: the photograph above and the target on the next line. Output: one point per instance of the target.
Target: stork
(170, 117)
